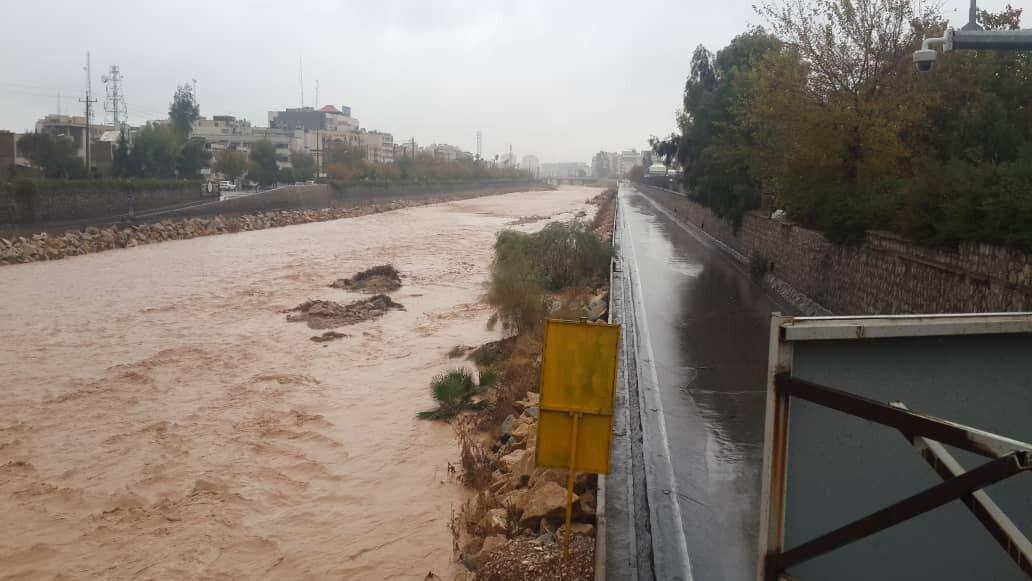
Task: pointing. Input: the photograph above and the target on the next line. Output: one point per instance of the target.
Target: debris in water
(527, 220)
(328, 314)
(378, 279)
(329, 336)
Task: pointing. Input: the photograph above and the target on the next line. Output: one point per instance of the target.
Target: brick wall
(885, 275)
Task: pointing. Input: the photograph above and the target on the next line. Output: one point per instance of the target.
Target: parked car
(227, 186)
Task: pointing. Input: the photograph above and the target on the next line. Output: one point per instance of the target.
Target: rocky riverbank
(512, 526)
(43, 246)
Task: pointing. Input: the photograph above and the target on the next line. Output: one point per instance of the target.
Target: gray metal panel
(841, 468)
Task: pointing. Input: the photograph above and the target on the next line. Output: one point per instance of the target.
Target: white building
(530, 163)
(225, 132)
(574, 169)
(446, 152)
(628, 159)
(378, 145)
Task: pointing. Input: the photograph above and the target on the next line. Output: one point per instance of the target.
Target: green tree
(183, 110)
(981, 112)
(286, 175)
(714, 147)
(263, 168)
(303, 164)
(155, 152)
(192, 158)
(231, 163)
(56, 156)
(120, 161)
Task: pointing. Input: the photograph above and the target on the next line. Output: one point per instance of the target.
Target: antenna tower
(114, 100)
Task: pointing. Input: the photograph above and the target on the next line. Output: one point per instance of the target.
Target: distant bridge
(582, 181)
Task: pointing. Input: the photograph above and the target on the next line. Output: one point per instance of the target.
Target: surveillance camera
(924, 59)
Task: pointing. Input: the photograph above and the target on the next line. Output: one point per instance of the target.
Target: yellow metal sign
(578, 375)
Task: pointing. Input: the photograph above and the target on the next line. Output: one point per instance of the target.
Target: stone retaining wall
(886, 274)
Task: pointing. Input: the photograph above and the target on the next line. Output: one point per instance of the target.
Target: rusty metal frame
(1009, 456)
(951, 489)
(992, 517)
(951, 433)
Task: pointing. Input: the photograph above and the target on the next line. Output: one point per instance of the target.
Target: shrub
(477, 461)
(525, 266)
(488, 377)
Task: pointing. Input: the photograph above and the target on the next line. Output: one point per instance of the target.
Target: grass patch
(452, 390)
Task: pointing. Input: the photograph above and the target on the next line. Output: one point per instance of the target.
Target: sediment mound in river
(378, 279)
(328, 314)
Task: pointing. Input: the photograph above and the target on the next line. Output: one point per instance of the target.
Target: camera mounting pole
(972, 37)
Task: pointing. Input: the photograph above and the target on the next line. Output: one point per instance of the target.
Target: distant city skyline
(560, 82)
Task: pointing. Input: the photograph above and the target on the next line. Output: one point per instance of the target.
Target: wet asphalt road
(708, 327)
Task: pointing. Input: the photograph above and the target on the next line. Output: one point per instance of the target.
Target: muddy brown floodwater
(160, 419)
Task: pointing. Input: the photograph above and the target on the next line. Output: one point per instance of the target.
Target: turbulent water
(160, 418)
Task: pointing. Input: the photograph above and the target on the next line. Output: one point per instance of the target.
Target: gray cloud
(557, 79)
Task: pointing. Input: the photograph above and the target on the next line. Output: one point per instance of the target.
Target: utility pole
(480, 138)
(318, 135)
(89, 101)
(301, 80)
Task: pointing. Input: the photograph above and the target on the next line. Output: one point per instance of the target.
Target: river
(161, 419)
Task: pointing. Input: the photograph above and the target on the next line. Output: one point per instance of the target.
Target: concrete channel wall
(319, 196)
(82, 200)
(887, 274)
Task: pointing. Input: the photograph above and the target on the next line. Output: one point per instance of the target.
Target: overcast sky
(561, 80)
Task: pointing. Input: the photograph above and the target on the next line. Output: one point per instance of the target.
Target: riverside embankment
(163, 419)
(271, 209)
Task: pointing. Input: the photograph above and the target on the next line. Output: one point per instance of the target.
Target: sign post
(578, 377)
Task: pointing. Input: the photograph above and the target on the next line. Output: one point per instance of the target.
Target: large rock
(509, 461)
(523, 430)
(584, 509)
(542, 475)
(495, 522)
(523, 469)
(491, 544)
(513, 498)
(507, 424)
(545, 499)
